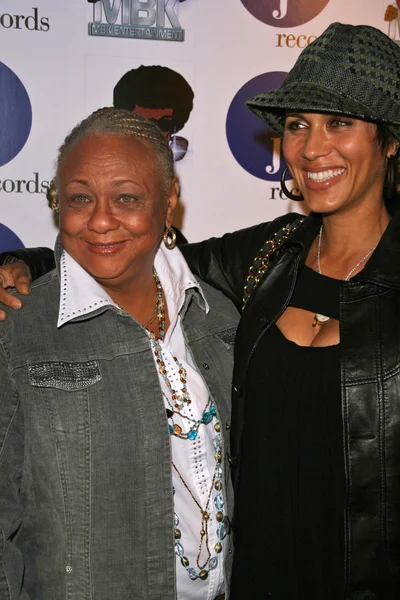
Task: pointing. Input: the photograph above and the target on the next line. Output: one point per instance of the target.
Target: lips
(105, 249)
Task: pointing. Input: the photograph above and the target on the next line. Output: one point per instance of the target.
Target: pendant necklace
(321, 319)
(179, 399)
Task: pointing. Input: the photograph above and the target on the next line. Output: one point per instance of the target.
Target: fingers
(8, 300)
(14, 275)
(22, 281)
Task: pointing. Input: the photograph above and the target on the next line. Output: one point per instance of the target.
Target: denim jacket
(86, 499)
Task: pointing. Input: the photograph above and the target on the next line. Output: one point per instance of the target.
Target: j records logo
(15, 115)
(256, 147)
(284, 13)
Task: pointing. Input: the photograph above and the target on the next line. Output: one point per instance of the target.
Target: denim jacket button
(232, 460)
(206, 366)
(68, 569)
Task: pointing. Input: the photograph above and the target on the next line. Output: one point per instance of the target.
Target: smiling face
(114, 207)
(335, 160)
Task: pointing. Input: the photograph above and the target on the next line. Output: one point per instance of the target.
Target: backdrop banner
(191, 64)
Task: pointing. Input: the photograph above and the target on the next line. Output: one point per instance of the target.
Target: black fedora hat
(349, 70)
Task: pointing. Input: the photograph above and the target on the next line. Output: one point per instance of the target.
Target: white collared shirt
(80, 295)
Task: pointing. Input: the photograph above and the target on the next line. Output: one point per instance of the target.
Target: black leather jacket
(370, 381)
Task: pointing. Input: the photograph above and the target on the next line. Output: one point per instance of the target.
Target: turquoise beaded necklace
(209, 415)
(211, 561)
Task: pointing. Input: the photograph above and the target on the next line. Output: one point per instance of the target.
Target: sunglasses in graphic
(178, 144)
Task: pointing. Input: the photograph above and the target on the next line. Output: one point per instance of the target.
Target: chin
(321, 205)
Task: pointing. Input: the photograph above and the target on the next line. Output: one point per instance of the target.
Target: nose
(102, 218)
(316, 143)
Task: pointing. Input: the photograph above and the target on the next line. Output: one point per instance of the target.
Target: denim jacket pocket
(64, 375)
(68, 392)
(228, 337)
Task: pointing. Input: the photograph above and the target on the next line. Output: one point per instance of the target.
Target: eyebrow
(122, 182)
(295, 114)
(117, 183)
(82, 181)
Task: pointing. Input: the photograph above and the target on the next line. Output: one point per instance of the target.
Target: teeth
(324, 175)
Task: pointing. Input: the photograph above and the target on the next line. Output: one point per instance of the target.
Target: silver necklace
(321, 319)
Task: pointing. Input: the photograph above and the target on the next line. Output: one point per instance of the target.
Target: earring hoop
(390, 177)
(169, 233)
(287, 193)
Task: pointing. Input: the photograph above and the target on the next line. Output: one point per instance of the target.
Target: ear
(172, 202)
(393, 149)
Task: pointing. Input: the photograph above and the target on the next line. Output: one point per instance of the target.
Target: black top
(289, 542)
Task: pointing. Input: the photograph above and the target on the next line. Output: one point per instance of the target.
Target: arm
(19, 267)
(39, 260)
(224, 262)
(11, 510)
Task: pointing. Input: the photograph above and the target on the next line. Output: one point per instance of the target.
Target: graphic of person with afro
(160, 94)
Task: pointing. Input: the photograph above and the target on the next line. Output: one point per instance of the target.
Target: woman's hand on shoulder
(16, 275)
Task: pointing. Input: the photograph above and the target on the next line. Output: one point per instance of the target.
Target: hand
(16, 275)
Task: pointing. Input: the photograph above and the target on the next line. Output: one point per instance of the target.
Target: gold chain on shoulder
(262, 260)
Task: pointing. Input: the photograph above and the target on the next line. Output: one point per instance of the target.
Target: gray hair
(113, 121)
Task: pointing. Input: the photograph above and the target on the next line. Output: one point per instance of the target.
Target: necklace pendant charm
(319, 320)
(203, 574)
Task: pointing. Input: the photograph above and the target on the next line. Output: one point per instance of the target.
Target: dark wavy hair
(155, 87)
(385, 139)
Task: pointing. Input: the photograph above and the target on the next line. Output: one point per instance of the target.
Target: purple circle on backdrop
(284, 13)
(250, 140)
(8, 239)
(15, 115)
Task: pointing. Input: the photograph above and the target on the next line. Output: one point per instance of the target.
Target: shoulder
(221, 315)
(265, 231)
(44, 291)
(39, 310)
(217, 300)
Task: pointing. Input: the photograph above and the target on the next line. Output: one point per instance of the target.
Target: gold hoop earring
(169, 233)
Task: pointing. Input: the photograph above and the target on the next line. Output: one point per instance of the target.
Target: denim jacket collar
(81, 295)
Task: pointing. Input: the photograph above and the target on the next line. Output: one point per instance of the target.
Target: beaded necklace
(182, 398)
(176, 430)
(209, 415)
(211, 561)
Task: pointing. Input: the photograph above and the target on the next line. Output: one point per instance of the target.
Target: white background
(68, 74)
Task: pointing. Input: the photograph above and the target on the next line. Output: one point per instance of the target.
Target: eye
(340, 122)
(79, 199)
(127, 199)
(294, 124)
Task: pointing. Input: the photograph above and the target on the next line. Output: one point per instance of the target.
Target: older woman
(114, 391)
(316, 395)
